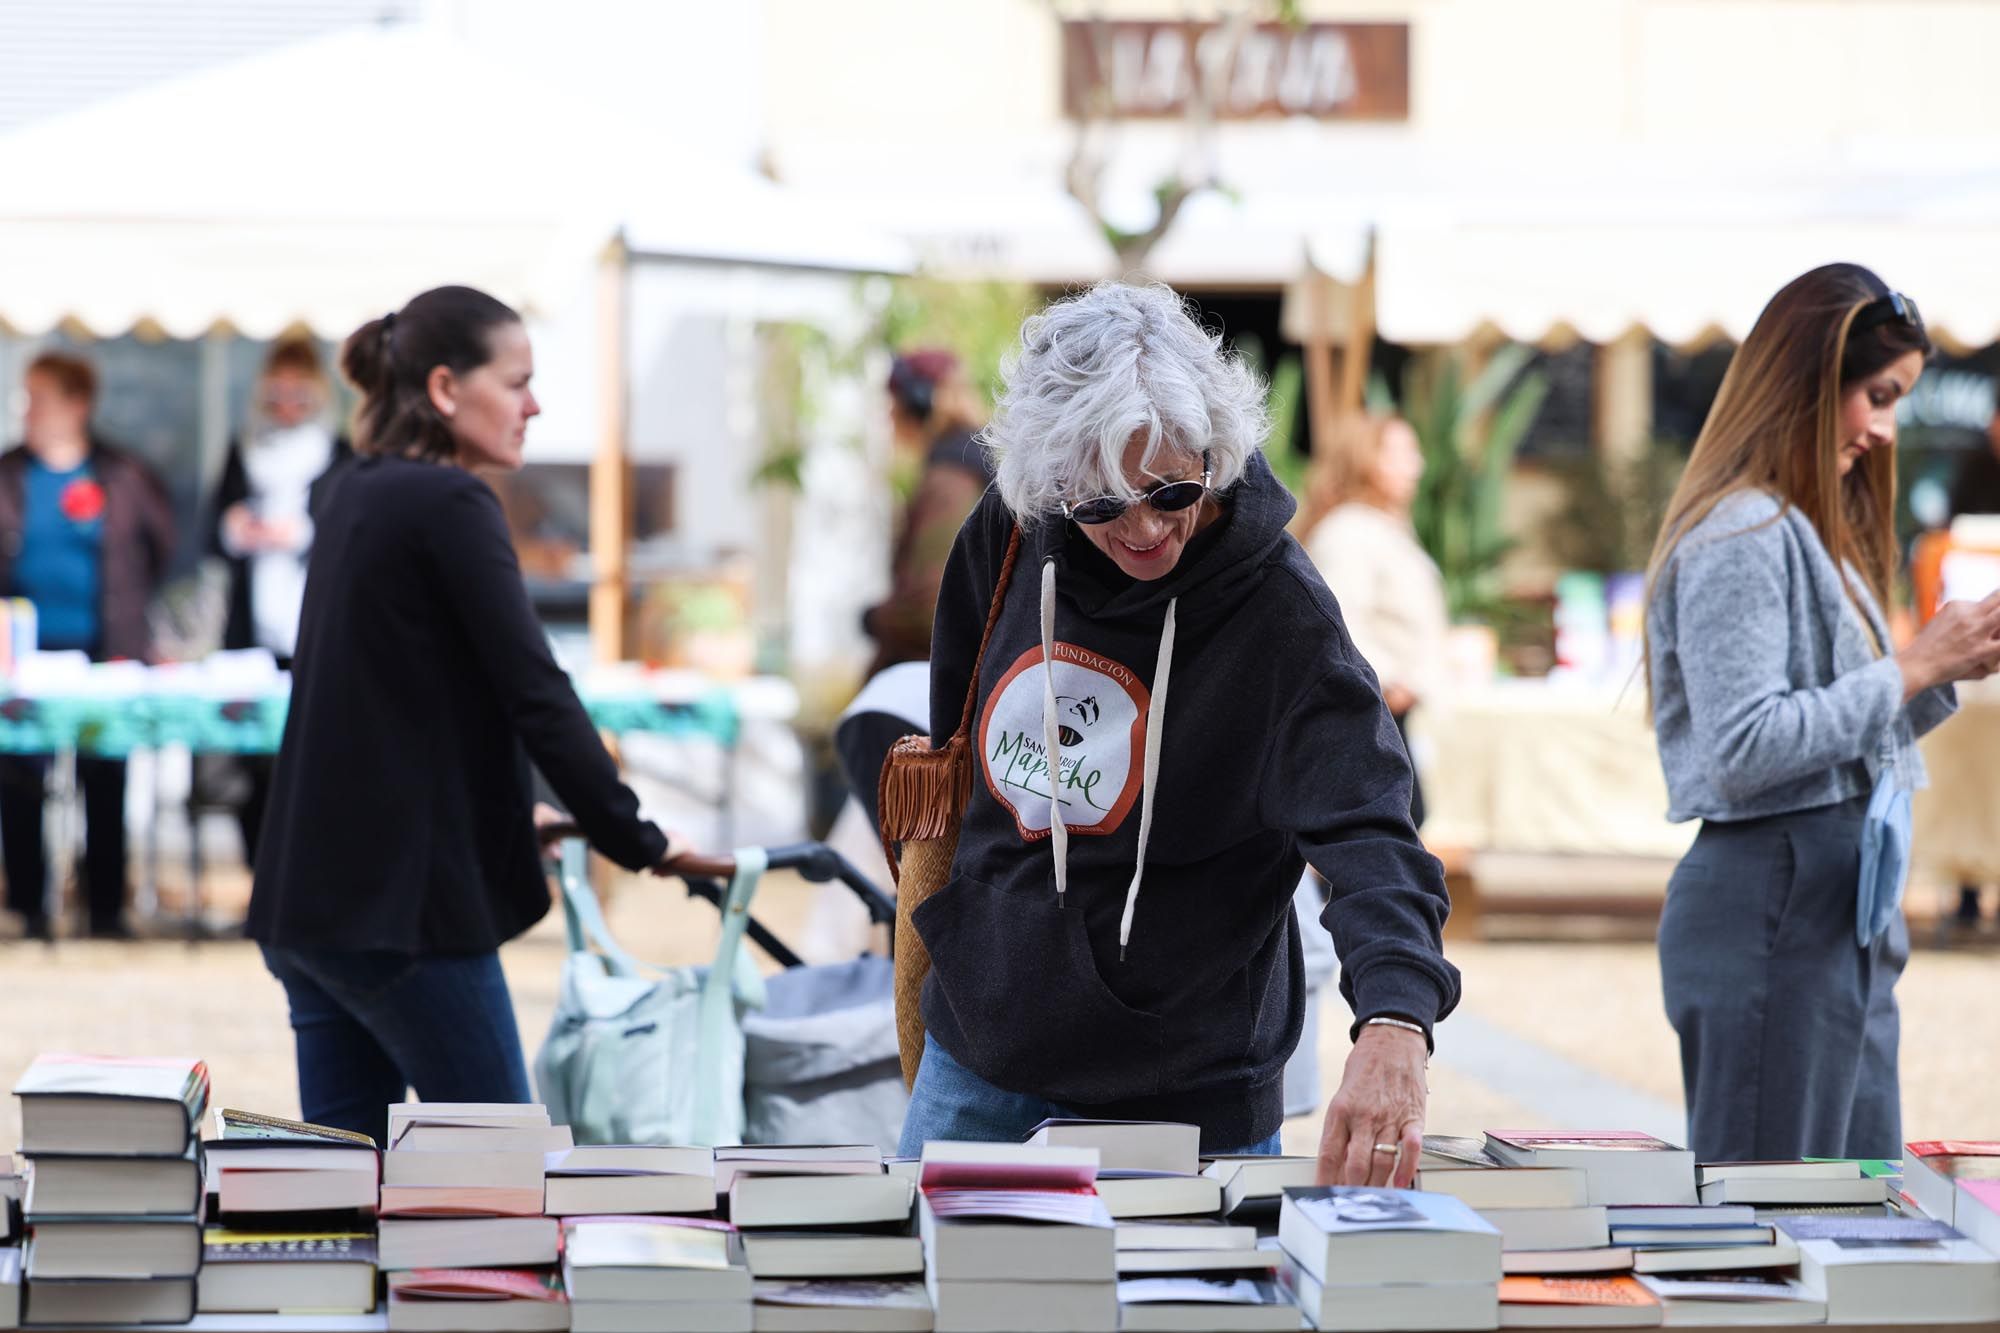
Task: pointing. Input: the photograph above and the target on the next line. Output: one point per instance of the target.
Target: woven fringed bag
(922, 802)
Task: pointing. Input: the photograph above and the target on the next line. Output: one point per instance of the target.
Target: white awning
(326, 182)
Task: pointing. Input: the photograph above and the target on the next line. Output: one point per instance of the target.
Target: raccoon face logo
(1084, 712)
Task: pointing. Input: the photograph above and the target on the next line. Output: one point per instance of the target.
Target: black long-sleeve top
(400, 814)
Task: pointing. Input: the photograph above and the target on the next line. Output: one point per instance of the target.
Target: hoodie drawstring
(1052, 732)
(1156, 712)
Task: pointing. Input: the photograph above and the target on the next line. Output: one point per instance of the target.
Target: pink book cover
(1615, 1140)
(1954, 1148)
(477, 1284)
(1986, 1191)
(1007, 1176)
(1071, 1207)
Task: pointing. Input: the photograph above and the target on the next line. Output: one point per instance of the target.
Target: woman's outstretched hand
(1374, 1131)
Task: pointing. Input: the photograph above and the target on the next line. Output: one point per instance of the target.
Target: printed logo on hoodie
(1101, 721)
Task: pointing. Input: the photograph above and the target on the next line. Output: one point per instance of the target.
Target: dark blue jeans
(949, 1101)
(371, 1025)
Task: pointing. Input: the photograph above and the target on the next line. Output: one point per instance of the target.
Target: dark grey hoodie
(1165, 983)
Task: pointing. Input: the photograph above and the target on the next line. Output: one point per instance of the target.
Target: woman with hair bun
(399, 850)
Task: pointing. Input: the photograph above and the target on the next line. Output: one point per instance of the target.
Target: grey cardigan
(1768, 693)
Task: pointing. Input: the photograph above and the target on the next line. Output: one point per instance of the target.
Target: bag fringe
(923, 791)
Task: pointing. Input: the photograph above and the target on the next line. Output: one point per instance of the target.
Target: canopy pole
(1622, 396)
(1322, 406)
(1359, 352)
(610, 469)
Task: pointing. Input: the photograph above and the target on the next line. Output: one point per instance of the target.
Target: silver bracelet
(1387, 1022)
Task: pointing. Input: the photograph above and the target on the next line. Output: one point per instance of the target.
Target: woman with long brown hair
(1780, 705)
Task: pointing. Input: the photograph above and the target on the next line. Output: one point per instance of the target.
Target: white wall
(953, 77)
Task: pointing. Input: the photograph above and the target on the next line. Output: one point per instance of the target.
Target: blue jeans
(370, 1025)
(949, 1101)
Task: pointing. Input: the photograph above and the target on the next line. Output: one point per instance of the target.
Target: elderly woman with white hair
(1116, 939)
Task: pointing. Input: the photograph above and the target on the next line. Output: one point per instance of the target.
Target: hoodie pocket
(1017, 972)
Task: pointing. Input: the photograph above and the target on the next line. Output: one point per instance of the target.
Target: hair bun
(364, 357)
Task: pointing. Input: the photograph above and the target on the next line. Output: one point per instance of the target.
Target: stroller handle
(813, 861)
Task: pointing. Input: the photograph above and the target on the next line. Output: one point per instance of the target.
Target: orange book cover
(1574, 1291)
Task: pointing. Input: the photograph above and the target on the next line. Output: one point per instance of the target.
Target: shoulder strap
(986, 636)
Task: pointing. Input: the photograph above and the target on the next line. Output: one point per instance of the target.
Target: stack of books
(642, 1274)
(1185, 1273)
(833, 1188)
(1146, 1168)
(1781, 1188)
(1016, 1238)
(462, 1235)
(1178, 1267)
(291, 1209)
(826, 1234)
(628, 1178)
(1620, 1166)
(1699, 1238)
(1536, 1209)
(1900, 1270)
(1366, 1259)
(113, 1202)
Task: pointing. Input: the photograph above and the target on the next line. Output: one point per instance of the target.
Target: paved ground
(1556, 1034)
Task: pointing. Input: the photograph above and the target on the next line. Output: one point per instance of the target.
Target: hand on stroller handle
(813, 861)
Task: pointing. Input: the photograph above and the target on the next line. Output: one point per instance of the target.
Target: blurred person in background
(400, 849)
(1780, 704)
(1116, 937)
(1975, 489)
(271, 490)
(935, 417)
(86, 531)
(1391, 594)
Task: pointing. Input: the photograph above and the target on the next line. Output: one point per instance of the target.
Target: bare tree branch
(1214, 57)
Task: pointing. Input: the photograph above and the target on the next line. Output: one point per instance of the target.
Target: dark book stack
(113, 1203)
(291, 1207)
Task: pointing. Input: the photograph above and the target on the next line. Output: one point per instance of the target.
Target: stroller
(718, 1054)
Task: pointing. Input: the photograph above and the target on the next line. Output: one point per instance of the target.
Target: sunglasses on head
(1169, 497)
(1893, 308)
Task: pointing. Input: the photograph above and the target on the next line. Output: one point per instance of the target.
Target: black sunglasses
(1891, 308)
(1169, 497)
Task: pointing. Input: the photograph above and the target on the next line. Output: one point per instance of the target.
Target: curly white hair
(1095, 369)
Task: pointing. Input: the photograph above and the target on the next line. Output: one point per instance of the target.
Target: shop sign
(1326, 71)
